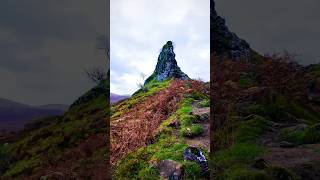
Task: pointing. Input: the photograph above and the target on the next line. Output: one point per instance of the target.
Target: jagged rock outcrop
(167, 66)
(224, 42)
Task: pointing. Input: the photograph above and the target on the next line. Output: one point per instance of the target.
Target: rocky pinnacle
(223, 41)
(167, 66)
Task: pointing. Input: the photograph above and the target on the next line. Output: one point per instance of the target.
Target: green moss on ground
(204, 103)
(309, 135)
(234, 162)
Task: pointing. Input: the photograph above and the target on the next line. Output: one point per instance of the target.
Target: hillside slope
(72, 146)
(151, 130)
(266, 116)
(154, 125)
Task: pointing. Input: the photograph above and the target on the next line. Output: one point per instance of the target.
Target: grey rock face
(167, 66)
(226, 43)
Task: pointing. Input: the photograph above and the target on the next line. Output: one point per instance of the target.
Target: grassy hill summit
(151, 130)
(267, 114)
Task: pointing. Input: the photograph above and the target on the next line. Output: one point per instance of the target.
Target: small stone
(204, 117)
(169, 169)
(260, 163)
(175, 124)
(285, 144)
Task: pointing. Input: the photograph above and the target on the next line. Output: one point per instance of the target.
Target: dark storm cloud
(273, 25)
(34, 20)
(45, 45)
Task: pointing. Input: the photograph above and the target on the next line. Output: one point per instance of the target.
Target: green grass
(49, 141)
(245, 81)
(251, 130)
(150, 89)
(191, 131)
(23, 166)
(308, 136)
(240, 153)
(277, 109)
(234, 162)
(240, 172)
(204, 103)
(315, 70)
(138, 164)
(188, 129)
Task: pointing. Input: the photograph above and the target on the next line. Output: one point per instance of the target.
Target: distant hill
(116, 98)
(14, 115)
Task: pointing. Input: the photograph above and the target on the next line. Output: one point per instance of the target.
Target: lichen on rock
(167, 66)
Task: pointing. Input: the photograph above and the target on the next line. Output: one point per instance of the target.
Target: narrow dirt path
(294, 157)
(202, 141)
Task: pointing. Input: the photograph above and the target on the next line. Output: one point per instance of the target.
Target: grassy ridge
(35, 148)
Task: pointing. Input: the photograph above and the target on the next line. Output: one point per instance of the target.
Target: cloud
(45, 46)
(140, 28)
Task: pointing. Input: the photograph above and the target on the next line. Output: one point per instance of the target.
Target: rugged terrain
(151, 129)
(266, 116)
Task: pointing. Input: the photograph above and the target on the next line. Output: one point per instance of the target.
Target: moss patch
(307, 136)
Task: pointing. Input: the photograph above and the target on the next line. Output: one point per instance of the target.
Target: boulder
(175, 124)
(169, 169)
(285, 144)
(260, 163)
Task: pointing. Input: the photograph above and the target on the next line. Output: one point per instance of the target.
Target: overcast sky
(45, 45)
(273, 25)
(139, 29)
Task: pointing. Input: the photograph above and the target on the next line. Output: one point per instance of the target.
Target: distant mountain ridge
(14, 115)
(116, 97)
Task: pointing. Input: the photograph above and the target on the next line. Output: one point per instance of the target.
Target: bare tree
(96, 75)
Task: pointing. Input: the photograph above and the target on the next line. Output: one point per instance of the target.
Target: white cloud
(139, 28)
